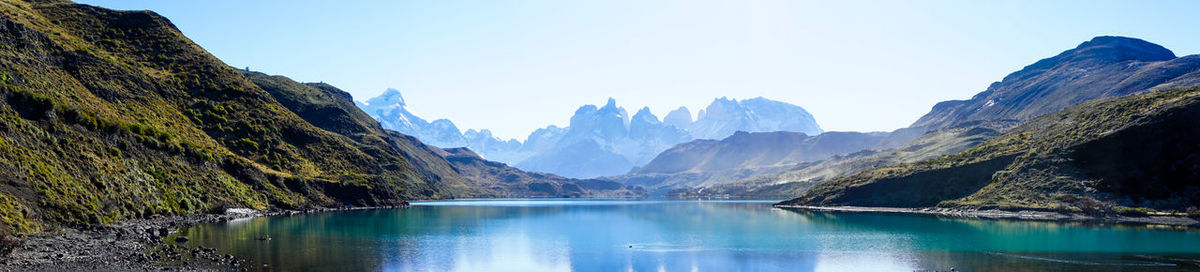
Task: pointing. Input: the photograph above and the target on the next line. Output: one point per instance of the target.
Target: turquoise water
(611, 235)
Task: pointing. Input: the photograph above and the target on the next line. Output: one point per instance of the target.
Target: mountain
(792, 180)
(498, 150)
(725, 116)
(389, 109)
(680, 118)
(513, 182)
(707, 163)
(1125, 155)
(1105, 66)
(1099, 68)
(108, 115)
(600, 140)
(759, 149)
(331, 109)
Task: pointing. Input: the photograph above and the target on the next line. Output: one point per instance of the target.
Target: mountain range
(600, 140)
(109, 115)
(1133, 155)
(1120, 138)
(1103, 67)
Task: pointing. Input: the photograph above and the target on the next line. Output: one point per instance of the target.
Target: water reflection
(603, 235)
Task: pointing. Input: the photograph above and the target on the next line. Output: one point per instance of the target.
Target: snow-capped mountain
(725, 116)
(600, 141)
(389, 109)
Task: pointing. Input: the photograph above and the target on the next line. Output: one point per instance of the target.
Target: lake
(619, 235)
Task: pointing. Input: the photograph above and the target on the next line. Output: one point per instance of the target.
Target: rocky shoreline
(135, 245)
(1179, 221)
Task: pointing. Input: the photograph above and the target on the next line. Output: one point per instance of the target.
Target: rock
(181, 239)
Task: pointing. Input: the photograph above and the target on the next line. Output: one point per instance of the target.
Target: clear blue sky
(514, 66)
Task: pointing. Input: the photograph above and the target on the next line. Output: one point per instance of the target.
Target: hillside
(1112, 155)
(107, 115)
(705, 164)
(1101, 67)
(1105, 66)
(115, 114)
(792, 180)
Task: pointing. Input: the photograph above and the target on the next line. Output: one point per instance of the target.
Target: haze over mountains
(1104, 156)
(1113, 154)
(603, 141)
(600, 140)
(747, 166)
(1102, 67)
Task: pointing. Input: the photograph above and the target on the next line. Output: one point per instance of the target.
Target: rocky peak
(680, 118)
(389, 98)
(607, 122)
(1106, 49)
(1117, 48)
(611, 104)
(645, 116)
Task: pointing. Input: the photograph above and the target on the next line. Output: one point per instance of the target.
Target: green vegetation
(107, 115)
(1130, 155)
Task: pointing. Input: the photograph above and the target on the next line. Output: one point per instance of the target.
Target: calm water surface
(611, 235)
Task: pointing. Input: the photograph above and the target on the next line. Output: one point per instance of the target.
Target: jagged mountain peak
(605, 139)
(612, 103)
(680, 118)
(390, 97)
(725, 116)
(644, 115)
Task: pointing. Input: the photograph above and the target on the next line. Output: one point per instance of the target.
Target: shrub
(8, 243)
(1140, 211)
(246, 144)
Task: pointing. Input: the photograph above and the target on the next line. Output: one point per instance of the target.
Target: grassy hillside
(115, 114)
(1102, 67)
(107, 115)
(333, 110)
(1123, 155)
